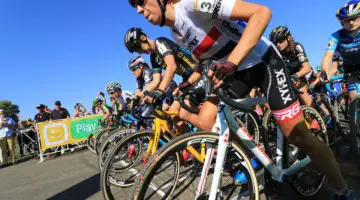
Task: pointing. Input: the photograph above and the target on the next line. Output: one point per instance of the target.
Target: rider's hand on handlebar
(219, 71)
(295, 79)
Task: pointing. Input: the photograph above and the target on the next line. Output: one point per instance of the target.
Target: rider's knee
(205, 124)
(299, 136)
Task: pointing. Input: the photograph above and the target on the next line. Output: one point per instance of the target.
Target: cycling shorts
(273, 79)
(353, 84)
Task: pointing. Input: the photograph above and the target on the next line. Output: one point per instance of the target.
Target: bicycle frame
(159, 125)
(225, 125)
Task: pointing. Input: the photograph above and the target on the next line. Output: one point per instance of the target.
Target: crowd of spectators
(10, 130)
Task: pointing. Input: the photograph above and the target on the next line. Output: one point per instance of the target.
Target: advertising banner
(66, 131)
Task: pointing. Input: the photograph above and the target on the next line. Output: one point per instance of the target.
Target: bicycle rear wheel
(355, 129)
(156, 182)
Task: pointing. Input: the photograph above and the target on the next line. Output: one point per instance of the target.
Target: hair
(292, 44)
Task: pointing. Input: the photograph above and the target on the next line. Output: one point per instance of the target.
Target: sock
(344, 192)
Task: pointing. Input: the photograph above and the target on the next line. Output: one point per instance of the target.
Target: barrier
(55, 135)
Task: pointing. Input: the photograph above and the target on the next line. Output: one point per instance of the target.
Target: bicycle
(337, 102)
(112, 139)
(354, 112)
(284, 169)
(132, 152)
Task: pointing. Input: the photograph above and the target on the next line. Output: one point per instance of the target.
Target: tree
(11, 110)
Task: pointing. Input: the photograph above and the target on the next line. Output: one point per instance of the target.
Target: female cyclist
(208, 30)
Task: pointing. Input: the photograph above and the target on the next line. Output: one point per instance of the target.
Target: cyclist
(164, 54)
(294, 55)
(346, 43)
(206, 28)
(145, 76)
(114, 90)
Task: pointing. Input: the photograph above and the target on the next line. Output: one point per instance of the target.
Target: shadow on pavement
(82, 190)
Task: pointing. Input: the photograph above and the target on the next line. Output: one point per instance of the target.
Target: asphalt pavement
(76, 176)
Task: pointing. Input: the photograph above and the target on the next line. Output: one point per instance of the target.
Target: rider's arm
(329, 54)
(195, 76)
(138, 92)
(303, 60)
(106, 111)
(169, 72)
(257, 18)
(154, 83)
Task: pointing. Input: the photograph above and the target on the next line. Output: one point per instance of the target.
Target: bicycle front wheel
(157, 181)
(124, 163)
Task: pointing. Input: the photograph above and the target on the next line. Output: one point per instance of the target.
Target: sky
(69, 50)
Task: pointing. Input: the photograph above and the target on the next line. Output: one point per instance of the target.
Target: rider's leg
(179, 124)
(286, 109)
(205, 120)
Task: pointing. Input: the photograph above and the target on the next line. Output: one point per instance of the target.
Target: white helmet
(127, 95)
(112, 86)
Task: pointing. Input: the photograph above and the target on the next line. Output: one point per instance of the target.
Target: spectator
(80, 110)
(7, 126)
(47, 109)
(59, 112)
(42, 115)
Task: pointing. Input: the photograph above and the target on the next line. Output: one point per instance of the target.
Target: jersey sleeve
(163, 47)
(216, 9)
(156, 63)
(140, 82)
(333, 42)
(301, 54)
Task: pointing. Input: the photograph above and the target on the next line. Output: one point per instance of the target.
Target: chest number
(205, 5)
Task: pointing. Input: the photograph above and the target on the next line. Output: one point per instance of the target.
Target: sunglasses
(280, 40)
(135, 67)
(347, 20)
(135, 3)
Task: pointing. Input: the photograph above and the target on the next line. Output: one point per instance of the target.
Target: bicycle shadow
(82, 190)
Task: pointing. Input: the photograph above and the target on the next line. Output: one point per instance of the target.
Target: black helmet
(279, 33)
(132, 38)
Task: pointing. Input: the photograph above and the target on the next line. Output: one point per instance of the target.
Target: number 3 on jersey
(204, 5)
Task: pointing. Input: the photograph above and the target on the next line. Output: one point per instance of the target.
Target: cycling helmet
(135, 61)
(97, 101)
(112, 86)
(318, 68)
(132, 39)
(348, 10)
(127, 95)
(279, 33)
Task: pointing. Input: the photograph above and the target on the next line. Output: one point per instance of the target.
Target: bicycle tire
(100, 138)
(344, 104)
(355, 129)
(105, 180)
(109, 143)
(180, 143)
(91, 139)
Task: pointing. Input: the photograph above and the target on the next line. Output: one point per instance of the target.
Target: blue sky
(69, 50)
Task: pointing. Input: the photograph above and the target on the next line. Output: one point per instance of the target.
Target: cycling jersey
(186, 63)
(204, 27)
(349, 49)
(347, 46)
(294, 60)
(146, 78)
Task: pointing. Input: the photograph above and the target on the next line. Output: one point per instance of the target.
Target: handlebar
(229, 101)
(186, 107)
